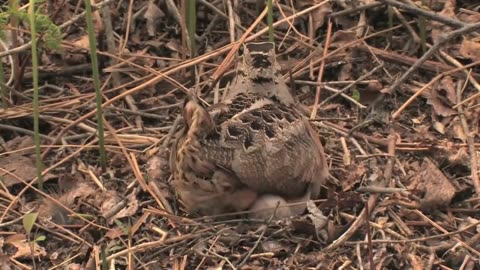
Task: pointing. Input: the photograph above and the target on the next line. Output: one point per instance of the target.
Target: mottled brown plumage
(253, 146)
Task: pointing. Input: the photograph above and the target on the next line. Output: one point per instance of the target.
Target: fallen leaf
(21, 142)
(130, 209)
(19, 167)
(82, 42)
(274, 246)
(153, 14)
(432, 186)
(5, 262)
(319, 14)
(447, 85)
(439, 103)
(438, 29)
(158, 166)
(22, 247)
(114, 233)
(458, 131)
(470, 49)
(49, 209)
(318, 219)
(438, 126)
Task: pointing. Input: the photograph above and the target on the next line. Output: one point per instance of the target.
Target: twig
(441, 41)
(24, 131)
(355, 9)
(219, 12)
(107, 20)
(371, 201)
(402, 19)
(260, 237)
(369, 237)
(361, 78)
(429, 84)
(427, 14)
(470, 141)
(320, 71)
(12, 64)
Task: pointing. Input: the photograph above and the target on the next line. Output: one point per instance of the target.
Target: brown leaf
(438, 126)
(470, 49)
(22, 247)
(21, 142)
(448, 86)
(342, 37)
(153, 14)
(319, 14)
(82, 42)
(5, 262)
(51, 210)
(459, 157)
(434, 188)
(107, 201)
(130, 209)
(158, 166)
(274, 246)
(458, 131)
(439, 103)
(438, 28)
(318, 219)
(114, 233)
(19, 167)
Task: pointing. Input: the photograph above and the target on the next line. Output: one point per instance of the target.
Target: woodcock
(250, 150)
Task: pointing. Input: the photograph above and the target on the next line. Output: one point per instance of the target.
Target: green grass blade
(36, 112)
(3, 87)
(191, 25)
(270, 20)
(423, 31)
(96, 83)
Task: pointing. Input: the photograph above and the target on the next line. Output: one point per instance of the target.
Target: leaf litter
(416, 174)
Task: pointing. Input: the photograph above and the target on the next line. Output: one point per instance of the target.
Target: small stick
(442, 40)
(321, 69)
(427, 14)
(470, 140)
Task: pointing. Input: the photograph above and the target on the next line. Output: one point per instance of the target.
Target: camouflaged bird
(251, 149)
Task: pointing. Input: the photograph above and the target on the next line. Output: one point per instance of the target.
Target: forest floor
(398, 114)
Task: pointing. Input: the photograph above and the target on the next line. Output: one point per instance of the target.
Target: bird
(253, 150)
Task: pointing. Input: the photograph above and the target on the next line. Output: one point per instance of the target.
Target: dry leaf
(51, 210)
(107, 201)
(439, 103)
(21, 142)
(19, 167)
(470, 49)
(114, 233)
(153, 14)
(130, 209)
(438, 28)
(22, 247)
(319, 220)
(448, 86)
(434, 188)
(158, 166)
(458, 131)
(274, 246)
(82, 42)
(438, 126)
(5, 262)
(319, 14)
